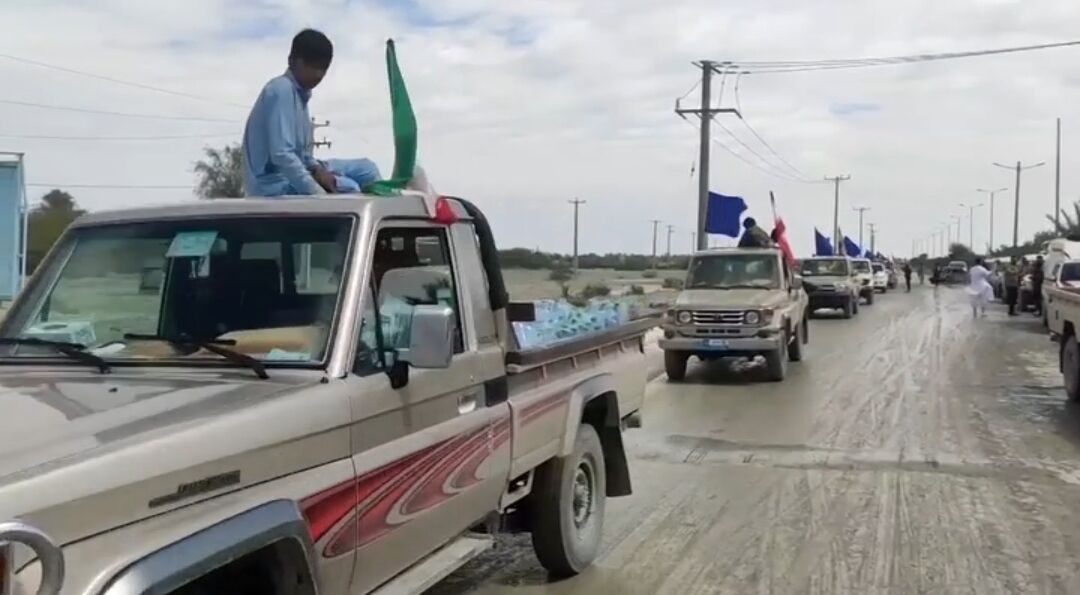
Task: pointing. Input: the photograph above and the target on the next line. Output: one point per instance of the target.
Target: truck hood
(83, 452)
(719, 299)
(60, 415)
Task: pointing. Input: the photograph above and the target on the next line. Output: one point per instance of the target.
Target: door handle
(467, 403)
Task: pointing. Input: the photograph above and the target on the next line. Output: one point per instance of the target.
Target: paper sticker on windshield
(187, 244)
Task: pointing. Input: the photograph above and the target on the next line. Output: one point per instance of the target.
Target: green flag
(404, 122)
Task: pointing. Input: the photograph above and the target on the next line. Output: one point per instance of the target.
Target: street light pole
(836, 208)
(971, 224)
(1016, 206)
(990, 242)
(576, 204)
(861, 210)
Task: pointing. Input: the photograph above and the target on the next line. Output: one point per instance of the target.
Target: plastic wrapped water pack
(559, 320)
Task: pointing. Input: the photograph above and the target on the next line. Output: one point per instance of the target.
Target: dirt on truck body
(314, 395)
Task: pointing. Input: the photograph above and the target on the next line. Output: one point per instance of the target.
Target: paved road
(916, 450)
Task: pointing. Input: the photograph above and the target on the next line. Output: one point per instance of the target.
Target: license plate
(718, 343)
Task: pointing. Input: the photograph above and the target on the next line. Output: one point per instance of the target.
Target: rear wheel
(1070, 367)
(870, 298)
(776, 361)
(568, 507)
(675, 364)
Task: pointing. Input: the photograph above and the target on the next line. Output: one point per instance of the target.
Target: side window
(411, 266)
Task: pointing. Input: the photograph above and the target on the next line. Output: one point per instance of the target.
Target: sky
(526, 104)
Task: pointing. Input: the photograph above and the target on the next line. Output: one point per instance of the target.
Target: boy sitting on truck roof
(277, 137)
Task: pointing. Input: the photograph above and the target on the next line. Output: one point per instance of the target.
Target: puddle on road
(1036, 404)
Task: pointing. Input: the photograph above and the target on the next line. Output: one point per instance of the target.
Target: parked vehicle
(864, 276)
(737, 302)
(323, 396)
(881, 278)
(1055, 253)
(830, 283)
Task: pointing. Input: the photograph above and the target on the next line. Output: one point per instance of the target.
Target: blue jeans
(352, 174)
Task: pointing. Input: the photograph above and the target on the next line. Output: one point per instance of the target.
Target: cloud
(853, 108)
(525, 104)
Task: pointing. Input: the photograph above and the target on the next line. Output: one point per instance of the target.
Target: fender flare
(278, 522)
(579, 396)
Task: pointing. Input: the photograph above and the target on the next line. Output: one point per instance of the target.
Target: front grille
(718, 316)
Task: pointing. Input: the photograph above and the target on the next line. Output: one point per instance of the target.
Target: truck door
(423, 452)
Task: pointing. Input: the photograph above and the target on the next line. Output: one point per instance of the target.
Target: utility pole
(873, 248)
(861, 210)
(1057, 180)
(836, 207)
(670, 230)
(322, 143)
(971, 224)
(693, 241)
(990, 242)
(576, 204)
(705, 112)
(1016, 207)
(655, 225)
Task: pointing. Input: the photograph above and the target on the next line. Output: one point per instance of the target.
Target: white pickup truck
(305, 396)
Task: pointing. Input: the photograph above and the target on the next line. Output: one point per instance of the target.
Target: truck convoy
(315, 396)
(737, 302)
(832, 283)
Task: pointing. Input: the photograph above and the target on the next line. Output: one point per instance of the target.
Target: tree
(1070, 226)
(958, 251)
(221, 174)
(47, 222)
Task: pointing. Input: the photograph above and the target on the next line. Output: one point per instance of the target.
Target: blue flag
(822, 245)
(723, 214)
(851, 248)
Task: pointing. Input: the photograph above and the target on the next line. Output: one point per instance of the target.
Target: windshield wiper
(216, 346)
(76, 351)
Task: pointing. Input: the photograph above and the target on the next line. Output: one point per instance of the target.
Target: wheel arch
(596, 402)
(276, 527)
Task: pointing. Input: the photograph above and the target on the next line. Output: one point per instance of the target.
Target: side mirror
(796, 282)
(431, 338)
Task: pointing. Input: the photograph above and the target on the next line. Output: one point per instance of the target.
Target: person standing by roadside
(1011, 280)
(979, 288)
(1037, 278)
(907, 275)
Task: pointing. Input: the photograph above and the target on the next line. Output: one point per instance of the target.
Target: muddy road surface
(915, 450)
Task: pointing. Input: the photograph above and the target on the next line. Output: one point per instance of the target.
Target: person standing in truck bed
(277, 138)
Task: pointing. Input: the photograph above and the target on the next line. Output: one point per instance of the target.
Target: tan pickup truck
(294, 396)
(1062, 314)
(737, 302)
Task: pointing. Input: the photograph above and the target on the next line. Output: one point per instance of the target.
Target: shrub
(637, 290)
(649, 275)
(595, 290)
(673, 283)
(561, 274)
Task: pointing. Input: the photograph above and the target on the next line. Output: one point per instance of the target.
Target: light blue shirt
(277, 158)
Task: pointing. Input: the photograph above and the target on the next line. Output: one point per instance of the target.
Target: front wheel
(870, 298)
(568, 507)
(675, 365)
(1070, 367)
(795, 350)
(848, 310)
(776, 361)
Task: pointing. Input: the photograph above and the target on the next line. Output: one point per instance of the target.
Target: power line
(768, 67)
(114, 138)
(100, 112)
(751, 163)
(738, 104)
(767, 163)
(117, 81)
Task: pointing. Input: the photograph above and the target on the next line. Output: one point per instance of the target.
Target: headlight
(752, 317)
(49, 555)
(684, 317)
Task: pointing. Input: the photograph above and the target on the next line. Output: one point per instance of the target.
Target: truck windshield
(878, 268)
(266, 287)
(860, 266)
(833, 267)
(734, 271)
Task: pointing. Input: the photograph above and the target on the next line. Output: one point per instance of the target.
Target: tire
(776, 361)
(568, 507)
(795, 348)
(1070, 368)
(806, 330)
(870, 298)
(848, 311)
(675, 365)
(855, 306)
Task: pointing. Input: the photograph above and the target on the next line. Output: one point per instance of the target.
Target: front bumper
(829, 300)
(719, 345)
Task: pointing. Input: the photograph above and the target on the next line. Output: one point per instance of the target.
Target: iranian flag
(780, 233)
